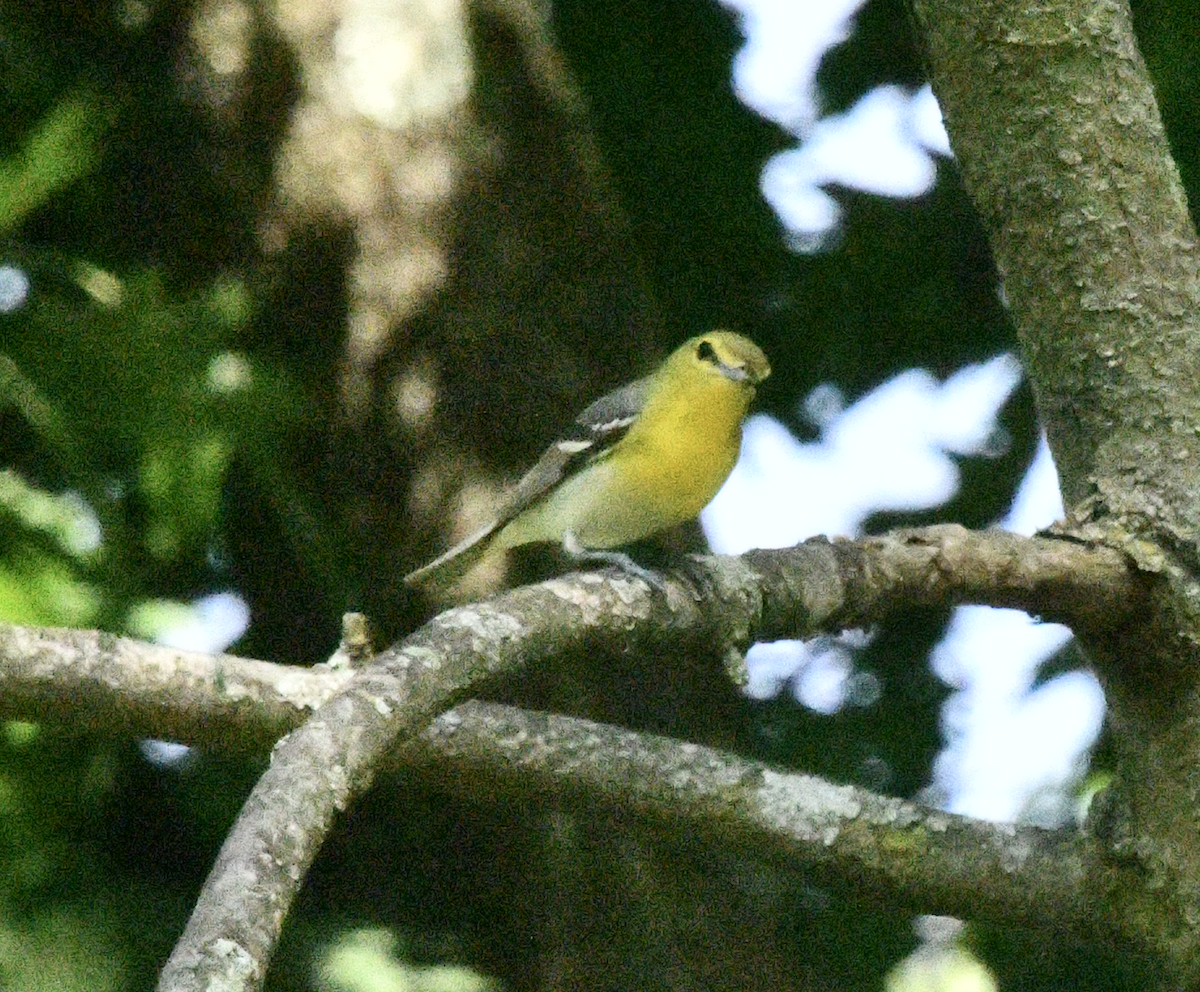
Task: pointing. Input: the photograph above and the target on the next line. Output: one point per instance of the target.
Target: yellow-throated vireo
(641, 459)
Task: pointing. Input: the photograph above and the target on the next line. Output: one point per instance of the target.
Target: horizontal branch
(321, 767)
(888, 849)
(118, 687)
(912, 854)
(838, 584)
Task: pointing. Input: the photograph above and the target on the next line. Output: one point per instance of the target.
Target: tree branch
(838, 584)
(117, 686)
(901, 850)
(320, 768)
(885, 848)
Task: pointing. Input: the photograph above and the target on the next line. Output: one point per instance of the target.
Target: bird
(645, 457)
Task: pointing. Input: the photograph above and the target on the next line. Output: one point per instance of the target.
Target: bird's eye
(705, 352)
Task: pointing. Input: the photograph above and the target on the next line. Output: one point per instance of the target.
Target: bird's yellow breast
(678, 467)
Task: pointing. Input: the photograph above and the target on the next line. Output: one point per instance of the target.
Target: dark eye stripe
(706, 353)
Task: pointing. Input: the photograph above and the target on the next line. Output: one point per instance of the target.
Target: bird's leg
(573, 549)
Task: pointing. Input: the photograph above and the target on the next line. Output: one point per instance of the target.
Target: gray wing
(592, 436)
(610, 416)
(595, 431)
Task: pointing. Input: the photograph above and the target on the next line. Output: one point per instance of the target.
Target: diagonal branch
(819, 586)
(887, 847)
(903, 851)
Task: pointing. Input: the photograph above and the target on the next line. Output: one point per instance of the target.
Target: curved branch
(321, 767)
(887, 847)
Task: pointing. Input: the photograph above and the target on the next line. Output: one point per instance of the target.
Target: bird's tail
(452, 565)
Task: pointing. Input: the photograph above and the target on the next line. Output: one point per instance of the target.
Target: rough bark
(1053, 118)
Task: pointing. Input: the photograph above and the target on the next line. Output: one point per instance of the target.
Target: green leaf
(61, 148)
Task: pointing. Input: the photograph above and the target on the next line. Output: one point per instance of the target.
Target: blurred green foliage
(132, 398)
(59, 150)
(125, 396)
